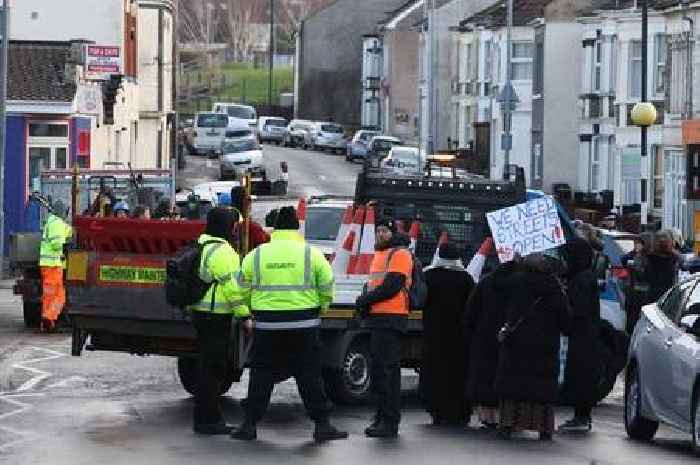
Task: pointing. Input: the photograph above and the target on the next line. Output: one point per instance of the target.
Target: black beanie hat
(287, 219)
(449, 252)
(220, 222)
(385, 222)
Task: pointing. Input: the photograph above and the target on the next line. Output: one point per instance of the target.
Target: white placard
(101, 61)
(526, 228)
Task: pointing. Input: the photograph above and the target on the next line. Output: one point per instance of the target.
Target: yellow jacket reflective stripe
(54, 236)
(220, 265)
(286, 282)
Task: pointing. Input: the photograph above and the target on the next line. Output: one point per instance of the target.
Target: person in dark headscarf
(485, 315)
(443, 369)
(583, 367)
(662, 266)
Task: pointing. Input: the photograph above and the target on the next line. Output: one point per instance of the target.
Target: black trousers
(386, 373)
(213, 336)
(277, 355)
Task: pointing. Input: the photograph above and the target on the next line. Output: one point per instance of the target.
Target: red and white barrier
(342, 255)
(476, 265)
(367, 243)
(356, 226)
(345, 228)
(444, 239)
(414, 233)
(301, 216)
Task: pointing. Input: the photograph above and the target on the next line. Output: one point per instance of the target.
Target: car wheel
(352, 384)
(637, 427)
(696, 423)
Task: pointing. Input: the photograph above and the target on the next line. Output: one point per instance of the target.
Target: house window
(47, 149)
(613, 65)
(597, 62)
(635, 66)
(596, 107)
(660, 49)
(595, 165)
(48, 130)
(538, 84)
(676, 210)
(658, 178)
(538, 161)
(521, 61)
(488, 61)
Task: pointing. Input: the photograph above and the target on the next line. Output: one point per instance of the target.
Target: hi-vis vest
(288, 283)
(391, 261)
(54, 236)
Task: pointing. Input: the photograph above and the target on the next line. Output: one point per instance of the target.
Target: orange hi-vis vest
(398, 260)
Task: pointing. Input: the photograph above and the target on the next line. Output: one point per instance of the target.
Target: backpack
(418, 292)
(183, 286)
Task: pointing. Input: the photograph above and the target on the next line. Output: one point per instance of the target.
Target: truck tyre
(352, 384)
(187, 371)
(32, 314)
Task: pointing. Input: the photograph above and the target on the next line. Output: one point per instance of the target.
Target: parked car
(323, 217)
(240, 111)
(358, 146)
(379, 146)
(662, 383)
(208, 133)
(295, 134)
(271, 129)
(241, 156)
(402, 160)
(324, 136)
(237, 129)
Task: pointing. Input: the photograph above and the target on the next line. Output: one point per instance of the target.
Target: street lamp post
(643, 152)
(507, 144)
(271, 51)
(5, 32)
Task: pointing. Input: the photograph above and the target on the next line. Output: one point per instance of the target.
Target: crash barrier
(149, 237)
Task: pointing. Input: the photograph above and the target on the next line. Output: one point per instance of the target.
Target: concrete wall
(55, 20)
(562, 74)
(330, 65)
(401, 66)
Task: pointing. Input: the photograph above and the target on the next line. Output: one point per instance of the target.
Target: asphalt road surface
(113, 409)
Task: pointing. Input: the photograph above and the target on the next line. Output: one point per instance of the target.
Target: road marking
(22, 407)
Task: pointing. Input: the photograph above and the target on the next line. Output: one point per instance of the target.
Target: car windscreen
(241, 112)
(383, 144)
(280, 123)
(212, 120)
(332, 128)
(239, 146)
(322, 223)
(232, 133)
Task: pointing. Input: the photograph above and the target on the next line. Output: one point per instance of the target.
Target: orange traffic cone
(413, 233)
(366, 254)
(476, 265)
(342, 255)
(444, 239)
(356, 227)
(301, 216)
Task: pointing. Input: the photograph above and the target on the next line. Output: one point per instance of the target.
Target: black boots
(213, 429)
(326, 432)
(245, 432)
(380, 428)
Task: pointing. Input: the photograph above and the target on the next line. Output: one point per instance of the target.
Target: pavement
(116, 409)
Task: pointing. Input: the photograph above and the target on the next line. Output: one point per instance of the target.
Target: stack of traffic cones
(413, 233)
(344, 228)
(301, 216)
(444, 239)
(356, 227)
(364, 259)
(476, 265)
(342, 255)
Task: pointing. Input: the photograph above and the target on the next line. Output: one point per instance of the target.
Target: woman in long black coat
(528, 366)
(583, 364)
(444, 363)
(485, 315)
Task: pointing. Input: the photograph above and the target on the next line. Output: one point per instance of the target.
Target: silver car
(326, 136)
(663, 375)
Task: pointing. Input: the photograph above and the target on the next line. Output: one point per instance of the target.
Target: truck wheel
(32, 314)
(353, 383)
(187, 371)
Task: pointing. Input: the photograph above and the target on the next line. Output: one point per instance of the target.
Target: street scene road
(122, 409)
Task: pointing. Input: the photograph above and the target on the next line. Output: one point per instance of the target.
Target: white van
(208, 133)
(237, 110)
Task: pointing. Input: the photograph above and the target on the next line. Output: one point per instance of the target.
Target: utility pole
(432, 116)
(5, 33)
(507, 142)
(643, 151)
(272, 50)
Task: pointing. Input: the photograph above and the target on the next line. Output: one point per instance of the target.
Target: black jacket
(661, 274)
(528, 364)
(485, 315)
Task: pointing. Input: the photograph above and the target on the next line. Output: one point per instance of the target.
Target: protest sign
(526, 228)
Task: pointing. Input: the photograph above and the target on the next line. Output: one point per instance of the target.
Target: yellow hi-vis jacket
(54, 236)
(287, 283)
(220, 265)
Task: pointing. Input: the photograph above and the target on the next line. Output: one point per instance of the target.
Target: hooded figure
(220, 223)
(443, 369)
(583, 364)
(662, 266)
